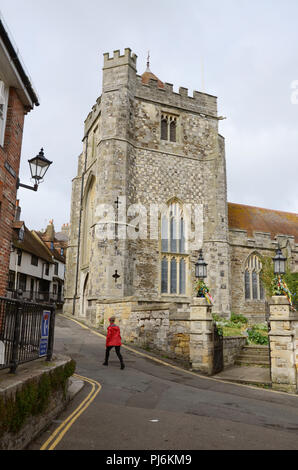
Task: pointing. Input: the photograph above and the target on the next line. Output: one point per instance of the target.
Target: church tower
(151, 172)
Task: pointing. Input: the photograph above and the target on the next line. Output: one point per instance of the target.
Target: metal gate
(217, 351)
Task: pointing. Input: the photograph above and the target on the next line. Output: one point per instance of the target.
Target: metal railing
(26, 332)
(32, 296)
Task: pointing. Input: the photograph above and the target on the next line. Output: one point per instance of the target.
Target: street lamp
(279, 263)
(39, 165)
(201, 267)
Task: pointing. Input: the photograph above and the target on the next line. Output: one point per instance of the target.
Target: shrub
(254, 336)
(238, 318)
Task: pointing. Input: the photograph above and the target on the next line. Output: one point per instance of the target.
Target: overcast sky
(243, 51)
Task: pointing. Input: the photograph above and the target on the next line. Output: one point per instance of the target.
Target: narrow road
(153, 406)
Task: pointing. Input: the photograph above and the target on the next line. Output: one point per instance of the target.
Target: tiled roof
(57, 246)
(148, 75)
(256, 219)
(30, 244)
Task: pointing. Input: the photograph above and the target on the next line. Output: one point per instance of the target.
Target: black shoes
(122, 365)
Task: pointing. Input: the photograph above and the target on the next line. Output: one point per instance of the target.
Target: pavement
(153, 404)
(246, 375)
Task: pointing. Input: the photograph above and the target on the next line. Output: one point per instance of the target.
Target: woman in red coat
(113, 340)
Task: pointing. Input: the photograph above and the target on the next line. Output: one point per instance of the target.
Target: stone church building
(152, 172)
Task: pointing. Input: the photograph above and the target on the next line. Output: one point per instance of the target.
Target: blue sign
(45, 323)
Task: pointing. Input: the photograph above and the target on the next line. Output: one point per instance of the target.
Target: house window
(4, 91)
(11, 280)
(56, 269)
(46, 269)
(21, 233)
(34, 260)
(19, 255)
(253, 286)
(174, 259)
(22, 282)
(168, 127)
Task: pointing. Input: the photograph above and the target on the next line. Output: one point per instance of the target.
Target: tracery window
(174, 257)
(168, 130)
(253, 286)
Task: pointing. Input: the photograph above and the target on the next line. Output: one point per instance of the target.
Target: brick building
(17, 98)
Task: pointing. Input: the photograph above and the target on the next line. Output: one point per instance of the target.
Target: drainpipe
(80, 221)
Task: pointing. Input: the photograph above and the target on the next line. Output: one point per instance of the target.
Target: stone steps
(254, 355)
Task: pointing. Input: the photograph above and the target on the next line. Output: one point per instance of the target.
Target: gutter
(17, 63)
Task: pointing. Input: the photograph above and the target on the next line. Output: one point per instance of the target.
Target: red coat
(113, 336)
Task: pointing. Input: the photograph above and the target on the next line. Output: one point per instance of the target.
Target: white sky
(242, 51)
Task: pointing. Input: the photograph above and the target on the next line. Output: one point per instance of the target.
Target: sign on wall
(43, 345)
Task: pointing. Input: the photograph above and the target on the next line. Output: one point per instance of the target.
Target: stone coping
(9, 383)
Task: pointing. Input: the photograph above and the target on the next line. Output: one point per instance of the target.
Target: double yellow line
(58, 434)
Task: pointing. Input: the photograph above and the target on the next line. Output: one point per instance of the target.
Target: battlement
(92, 115)
(199, 102)
(264, 239)
(117, 60)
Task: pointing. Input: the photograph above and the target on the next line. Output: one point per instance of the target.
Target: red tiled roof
(148, 75)
(256, 219)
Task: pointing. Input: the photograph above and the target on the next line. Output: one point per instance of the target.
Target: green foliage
(291, 280)
(238, 318)
(267, 274)
(33, 398)
(256, 337)
(232, 327)
(267, 277)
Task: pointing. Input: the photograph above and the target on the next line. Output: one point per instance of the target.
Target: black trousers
(117, 348)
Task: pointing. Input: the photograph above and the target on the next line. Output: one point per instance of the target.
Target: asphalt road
(150, 406)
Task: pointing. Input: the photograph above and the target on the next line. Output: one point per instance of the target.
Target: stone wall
(179, 331)
(12, 386)
(283, 337)
(241, 247)
(232, 347)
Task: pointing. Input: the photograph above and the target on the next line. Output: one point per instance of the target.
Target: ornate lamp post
(39, 165)
(201, 274)
(279, 263)
(201, 267)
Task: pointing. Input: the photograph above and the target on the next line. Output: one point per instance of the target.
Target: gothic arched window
(252, 280)
(168, 127)
(88, 222)
(164, 128)
(174, 258)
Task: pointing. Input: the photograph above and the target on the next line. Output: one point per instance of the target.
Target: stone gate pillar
(201, 336)
(283, 344)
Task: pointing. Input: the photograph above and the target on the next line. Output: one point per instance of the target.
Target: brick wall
(9, 158)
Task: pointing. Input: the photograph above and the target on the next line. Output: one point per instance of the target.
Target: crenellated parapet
(93, 115)
(201, 103)
(261, 240)
(120, 59)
